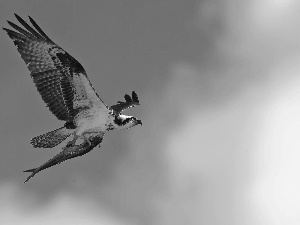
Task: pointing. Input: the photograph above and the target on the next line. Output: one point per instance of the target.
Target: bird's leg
(86, 140)
(72, 142)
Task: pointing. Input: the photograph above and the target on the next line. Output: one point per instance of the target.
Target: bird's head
(124, 122)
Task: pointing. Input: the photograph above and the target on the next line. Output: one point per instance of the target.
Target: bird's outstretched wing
(129, 102)
(60, 79)
(68, 153)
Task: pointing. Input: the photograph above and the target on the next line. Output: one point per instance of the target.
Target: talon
(72, 142)
(86, 140)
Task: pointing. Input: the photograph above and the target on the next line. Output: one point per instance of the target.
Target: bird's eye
(127, 120)
(118, 121)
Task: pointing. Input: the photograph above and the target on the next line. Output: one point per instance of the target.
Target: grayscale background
(219, 85)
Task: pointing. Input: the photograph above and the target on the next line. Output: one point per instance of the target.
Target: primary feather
(60, 79)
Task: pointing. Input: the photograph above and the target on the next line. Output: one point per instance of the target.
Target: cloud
(19, 207)
(233, 163)
(275, 190)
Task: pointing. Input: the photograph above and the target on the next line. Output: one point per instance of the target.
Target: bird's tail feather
(52, 138)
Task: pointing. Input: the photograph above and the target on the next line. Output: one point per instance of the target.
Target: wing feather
(129, 102)
(29, 28)
(22, 31)
(60, 79)
(39, 29)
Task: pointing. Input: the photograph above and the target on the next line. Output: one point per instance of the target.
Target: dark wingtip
(17, 16)
(127, 98)
(135, 97)
(139, 122)
(9, 22)
(30, 18)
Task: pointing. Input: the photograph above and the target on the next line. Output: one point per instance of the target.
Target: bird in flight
(68, 93)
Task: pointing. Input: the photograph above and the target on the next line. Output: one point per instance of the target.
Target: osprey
(65, 88)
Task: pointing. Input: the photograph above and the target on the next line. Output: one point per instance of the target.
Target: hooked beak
(139, 122)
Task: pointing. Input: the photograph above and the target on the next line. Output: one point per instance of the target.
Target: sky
(219, 87)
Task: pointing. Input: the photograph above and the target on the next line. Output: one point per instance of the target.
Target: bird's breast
(93, 121)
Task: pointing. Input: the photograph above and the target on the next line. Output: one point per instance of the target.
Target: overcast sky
(219, 86)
